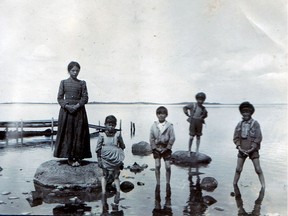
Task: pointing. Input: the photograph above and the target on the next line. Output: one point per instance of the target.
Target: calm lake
(19, 162)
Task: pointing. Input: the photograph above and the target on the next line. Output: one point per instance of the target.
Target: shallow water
(19, 162)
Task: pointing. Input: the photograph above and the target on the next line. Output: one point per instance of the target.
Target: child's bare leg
(117, 198)
(197, 143)
(259, 172)
(157, 170)
(168, 171)
(117, 184)
(190, 144)
(239, 168)
(103, 183)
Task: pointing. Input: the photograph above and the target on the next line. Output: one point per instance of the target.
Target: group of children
(247, 138)
(73, 141)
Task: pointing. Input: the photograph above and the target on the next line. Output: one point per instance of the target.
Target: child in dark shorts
(162, 138)
(197, 113)
(247, 138)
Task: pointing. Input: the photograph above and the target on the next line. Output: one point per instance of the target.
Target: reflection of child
(73, 139)
(162, 138)
(166, 210)
(110, 153)
(196, 118)
(115, 206)
(257, 203)
(195, 204)
(247, 138)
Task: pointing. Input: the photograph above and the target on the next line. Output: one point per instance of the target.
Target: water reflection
(257, 206)
(195, 204)
(166, 210)
(114, 206)
(78, 209)
(59, 195)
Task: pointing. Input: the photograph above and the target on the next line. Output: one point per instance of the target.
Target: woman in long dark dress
(73, 138)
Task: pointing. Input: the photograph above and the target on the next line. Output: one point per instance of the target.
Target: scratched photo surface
(136, 56)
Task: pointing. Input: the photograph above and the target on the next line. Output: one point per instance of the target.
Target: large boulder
(141, 148)
(183, 158)
(58, 174)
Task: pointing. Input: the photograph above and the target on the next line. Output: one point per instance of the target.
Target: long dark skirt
(73, 138)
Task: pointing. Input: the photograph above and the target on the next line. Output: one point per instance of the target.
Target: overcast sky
(151, 51)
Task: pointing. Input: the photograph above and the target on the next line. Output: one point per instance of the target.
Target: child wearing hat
(247, 138)
(110, 153)
(196, 113)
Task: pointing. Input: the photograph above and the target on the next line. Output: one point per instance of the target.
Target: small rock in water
(140, 183)
(126, 186)
(75, 200)
(13, 198)
(5, 193)
(2, 202)
(26, 213)
(125, 207)
(218, 208)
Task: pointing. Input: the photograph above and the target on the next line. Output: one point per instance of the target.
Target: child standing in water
(162, 138)
(110, 153)
(73, 138)
(197, 113)
(247, 138)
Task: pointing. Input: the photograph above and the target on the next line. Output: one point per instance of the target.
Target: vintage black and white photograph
(152, 107)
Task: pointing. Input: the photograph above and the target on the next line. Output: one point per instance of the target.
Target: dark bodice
(72, 92)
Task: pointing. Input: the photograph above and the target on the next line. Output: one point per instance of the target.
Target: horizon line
(147, 103)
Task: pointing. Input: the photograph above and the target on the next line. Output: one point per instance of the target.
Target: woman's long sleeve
(84, 94)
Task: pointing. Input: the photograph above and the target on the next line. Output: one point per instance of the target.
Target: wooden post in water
(21, 124)
(17, 132)
(6, 135)
(52, 130)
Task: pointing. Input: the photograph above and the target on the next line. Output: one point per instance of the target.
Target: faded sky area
(150, 51)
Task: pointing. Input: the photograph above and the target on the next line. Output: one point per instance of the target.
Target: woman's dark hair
(72, 64)
(162, 110)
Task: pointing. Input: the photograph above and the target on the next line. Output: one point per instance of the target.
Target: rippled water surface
(19, 163)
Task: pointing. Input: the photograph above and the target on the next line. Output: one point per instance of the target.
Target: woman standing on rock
(73, 138)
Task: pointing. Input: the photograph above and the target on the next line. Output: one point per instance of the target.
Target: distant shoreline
(141, 103)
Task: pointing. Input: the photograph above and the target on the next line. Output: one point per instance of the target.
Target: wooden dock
(18, 129)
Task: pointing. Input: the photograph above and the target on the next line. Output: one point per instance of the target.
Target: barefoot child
(197, 113)
(247, 138)
(162, 138)
(110, 153)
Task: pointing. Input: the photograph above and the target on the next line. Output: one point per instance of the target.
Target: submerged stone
(183, 158)
(126, 186)
(209, 200)
(137, 168)
(209, 184)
